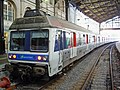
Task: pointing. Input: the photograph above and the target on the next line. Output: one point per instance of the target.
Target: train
(42, 45)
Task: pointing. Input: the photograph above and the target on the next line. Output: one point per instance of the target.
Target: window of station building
(5, 12)
(27, 8)
(58, 5)
(9, 11)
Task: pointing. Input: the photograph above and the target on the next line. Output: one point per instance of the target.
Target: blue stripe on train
(29, 57)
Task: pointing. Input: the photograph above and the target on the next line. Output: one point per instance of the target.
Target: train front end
(28, 53)
(28, 48)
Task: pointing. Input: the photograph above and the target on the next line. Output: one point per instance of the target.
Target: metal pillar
(38, 4)
(54, 6)
(55, 1)
(2, 41)
(66, 9)
(99, 27)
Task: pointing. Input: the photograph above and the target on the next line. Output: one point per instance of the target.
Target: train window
(98, 39)
(39, 40)
(93, 39)
(68, 36)
(78, 39)
(67, 40)
(71, 39)
(58, 41)
(83, 39)
(90, 39)
(17, 41)
(64, 40)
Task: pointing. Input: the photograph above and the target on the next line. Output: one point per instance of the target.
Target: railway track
(97, 76)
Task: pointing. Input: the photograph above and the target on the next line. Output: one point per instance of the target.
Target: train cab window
(17, 41)
(39, 40)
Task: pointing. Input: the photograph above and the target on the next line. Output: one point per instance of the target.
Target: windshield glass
(17, 41)
(29, 40)
(39, 40)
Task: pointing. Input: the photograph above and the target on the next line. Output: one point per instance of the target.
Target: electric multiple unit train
(40, 44)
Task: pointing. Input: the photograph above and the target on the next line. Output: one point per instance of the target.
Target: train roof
(43, 22)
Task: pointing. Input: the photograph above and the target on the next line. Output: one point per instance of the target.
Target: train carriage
(43, 45)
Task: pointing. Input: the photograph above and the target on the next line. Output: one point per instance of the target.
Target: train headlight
(14, 56)
(10, 56)
(39, 57)
(45, 58)
(42, 58)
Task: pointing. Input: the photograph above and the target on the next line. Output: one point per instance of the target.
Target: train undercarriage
(26, 72)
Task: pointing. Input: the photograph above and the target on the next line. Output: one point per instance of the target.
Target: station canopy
(99, 10)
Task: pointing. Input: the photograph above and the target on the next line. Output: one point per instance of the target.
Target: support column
(99, 27)
(54, 6)
(66, 9)
(2, 41)
(38, 4)
(55, 1)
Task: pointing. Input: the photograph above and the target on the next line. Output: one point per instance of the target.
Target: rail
(83, 87)
(111, 71)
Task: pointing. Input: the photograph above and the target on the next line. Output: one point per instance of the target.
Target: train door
(94, 41)
(98, 40)
(58, 49)
(60, 38)
(73, 45)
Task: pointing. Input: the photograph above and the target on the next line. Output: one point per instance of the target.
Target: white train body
(46, 44)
